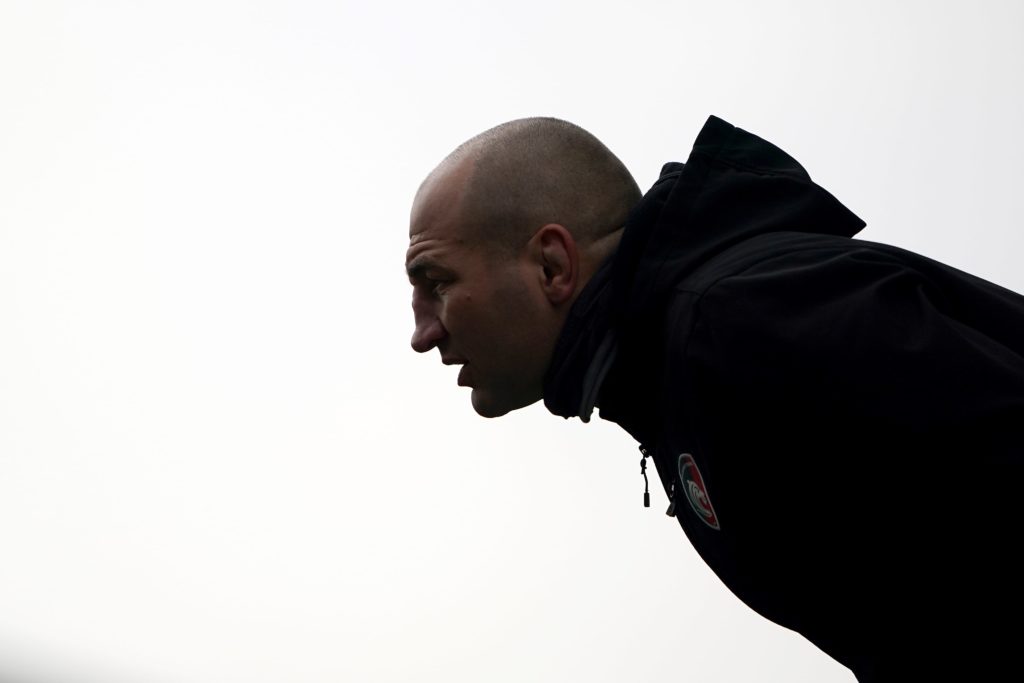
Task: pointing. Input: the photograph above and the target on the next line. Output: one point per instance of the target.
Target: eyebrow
(418, 267)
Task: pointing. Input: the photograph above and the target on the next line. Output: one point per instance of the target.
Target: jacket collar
(585, 351)
(733, 186)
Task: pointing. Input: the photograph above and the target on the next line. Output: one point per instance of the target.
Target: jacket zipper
(671, 511)
(643, 470)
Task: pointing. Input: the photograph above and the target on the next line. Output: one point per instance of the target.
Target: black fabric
(855, 412)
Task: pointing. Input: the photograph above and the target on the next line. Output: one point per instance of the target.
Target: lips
(455, 360)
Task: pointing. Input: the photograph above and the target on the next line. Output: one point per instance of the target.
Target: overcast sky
(219, 458)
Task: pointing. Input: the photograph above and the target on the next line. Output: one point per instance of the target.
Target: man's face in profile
(471, 303)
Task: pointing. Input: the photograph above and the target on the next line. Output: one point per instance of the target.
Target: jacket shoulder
(776, 247)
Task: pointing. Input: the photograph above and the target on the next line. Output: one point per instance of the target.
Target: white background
(219, 458)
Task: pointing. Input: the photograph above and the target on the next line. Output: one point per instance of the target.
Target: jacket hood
(733, 186)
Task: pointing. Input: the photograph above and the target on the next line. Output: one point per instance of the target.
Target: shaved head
(524, 174)
(503, 236)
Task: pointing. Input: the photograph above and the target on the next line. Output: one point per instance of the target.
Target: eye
(437, 286)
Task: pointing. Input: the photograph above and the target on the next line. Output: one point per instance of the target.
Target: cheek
(480, 324)
(456, 312)
(515, 304)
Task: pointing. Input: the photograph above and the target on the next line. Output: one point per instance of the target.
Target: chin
(489, 406)
(485, 407)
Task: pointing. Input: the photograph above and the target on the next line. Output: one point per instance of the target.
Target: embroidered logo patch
(696, 491)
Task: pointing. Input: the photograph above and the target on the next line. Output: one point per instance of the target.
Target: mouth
(463, 380)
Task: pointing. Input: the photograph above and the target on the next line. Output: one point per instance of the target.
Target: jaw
(486, 404)
(485, 410)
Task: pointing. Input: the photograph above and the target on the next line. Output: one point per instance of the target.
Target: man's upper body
(839, 424)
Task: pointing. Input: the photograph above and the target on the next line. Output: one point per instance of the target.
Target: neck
(595, 254)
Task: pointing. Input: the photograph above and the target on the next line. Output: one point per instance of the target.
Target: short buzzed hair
(531, 172)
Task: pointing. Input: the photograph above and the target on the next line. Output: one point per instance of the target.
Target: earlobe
(559, 260)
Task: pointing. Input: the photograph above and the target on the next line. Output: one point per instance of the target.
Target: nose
(429, 330)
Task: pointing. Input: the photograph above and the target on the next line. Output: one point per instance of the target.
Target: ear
(554, 252)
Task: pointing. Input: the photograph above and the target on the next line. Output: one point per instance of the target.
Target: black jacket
(838, 423)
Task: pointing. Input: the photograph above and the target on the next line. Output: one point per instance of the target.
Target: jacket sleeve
(866, 409)
(858, 340)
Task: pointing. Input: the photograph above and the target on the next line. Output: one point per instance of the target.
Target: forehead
(436, 222)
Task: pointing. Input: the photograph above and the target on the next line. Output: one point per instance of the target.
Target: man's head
(503, 236)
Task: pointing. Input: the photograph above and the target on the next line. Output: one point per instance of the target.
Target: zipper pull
(671, 512)
(643, 471)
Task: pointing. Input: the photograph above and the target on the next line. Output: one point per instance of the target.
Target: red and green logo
(696, 491)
